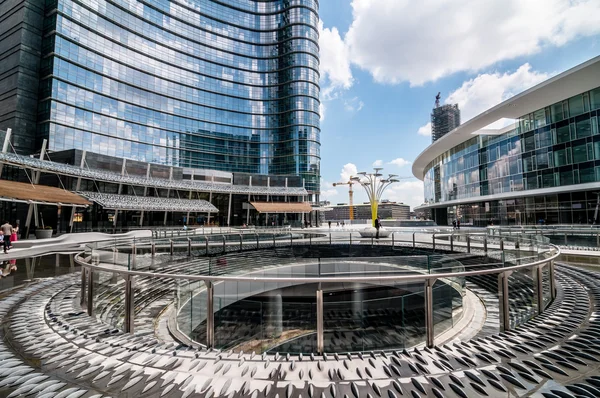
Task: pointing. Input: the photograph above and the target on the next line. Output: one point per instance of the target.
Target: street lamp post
(374, 185)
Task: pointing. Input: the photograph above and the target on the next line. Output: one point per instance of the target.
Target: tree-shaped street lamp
(374, 184)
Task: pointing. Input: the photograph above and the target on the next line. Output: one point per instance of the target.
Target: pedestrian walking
(377, 226)
(7, 231)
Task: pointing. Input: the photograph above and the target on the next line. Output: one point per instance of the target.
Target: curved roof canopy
(572, 82)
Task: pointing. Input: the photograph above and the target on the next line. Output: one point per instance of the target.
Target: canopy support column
(248, 209)
(77, 187)
(229, 210)
(145, 193)
(210, 201)
(5, 146)
(36, 180)
(168, 194)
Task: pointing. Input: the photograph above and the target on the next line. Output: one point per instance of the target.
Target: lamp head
(362, 173)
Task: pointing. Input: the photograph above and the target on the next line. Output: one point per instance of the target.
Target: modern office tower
(543, 169)
(230, 86)
(224, 86)
(444, 118)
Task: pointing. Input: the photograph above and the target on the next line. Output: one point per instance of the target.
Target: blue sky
(383, 62)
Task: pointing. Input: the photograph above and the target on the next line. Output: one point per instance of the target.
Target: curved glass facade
(557, 146)
(225, 85)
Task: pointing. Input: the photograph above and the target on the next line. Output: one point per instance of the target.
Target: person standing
(377, 226)
(7, 231)
(15, 234)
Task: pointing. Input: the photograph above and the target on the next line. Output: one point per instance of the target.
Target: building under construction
(444, 119)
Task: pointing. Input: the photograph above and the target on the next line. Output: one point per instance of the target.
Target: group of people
(455, 224)
(9, 235)
(338, 224)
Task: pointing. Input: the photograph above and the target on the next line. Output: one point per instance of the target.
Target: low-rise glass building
(543, 168)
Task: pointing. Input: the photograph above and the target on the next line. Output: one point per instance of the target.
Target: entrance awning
(13, 191)
(285, 207)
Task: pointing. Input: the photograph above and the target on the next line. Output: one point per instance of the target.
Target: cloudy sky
(383, 62)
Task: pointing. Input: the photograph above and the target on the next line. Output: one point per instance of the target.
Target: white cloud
(407, 192)
(489, 89)
(328, 191)
(334, 60)
(349, 170)
(378, 163)
(353, 104)
(425, 130)
(322, 111)
(400, 162)
(403, 40)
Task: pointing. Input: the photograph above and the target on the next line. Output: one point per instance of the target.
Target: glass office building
(205, 84)
(544, 168)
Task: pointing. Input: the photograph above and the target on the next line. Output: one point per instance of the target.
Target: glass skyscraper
(224, 85)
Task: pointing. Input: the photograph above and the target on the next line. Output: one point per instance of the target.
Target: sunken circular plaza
(299, 314)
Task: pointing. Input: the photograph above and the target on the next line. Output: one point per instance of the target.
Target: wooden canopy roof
(282, 207)
(41, 194)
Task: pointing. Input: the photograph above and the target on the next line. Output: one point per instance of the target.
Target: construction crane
(350, 195)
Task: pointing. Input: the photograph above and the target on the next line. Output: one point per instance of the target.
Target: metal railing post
(452, 242)
(501, 244)
(206, 243)
(429, 332)
(90, 292)
(485, 244)
(133, 256)
(189, 247)
(224, 244)
(129, 317)
(210, 314)
(392, 240)
(241, 242)
(273, 239)
(257, 241)
(171, 244)
(552, 280)
(433, 241)
(503, 298)
(153, 249)
(83, 286)
(320, 331)
(539, 270)
(468, 244)
(291, 239)
(414, 241)
(330, 239)
(565, 238)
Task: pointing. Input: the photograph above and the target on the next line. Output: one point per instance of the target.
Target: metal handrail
(428, 279)
(395, 278)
